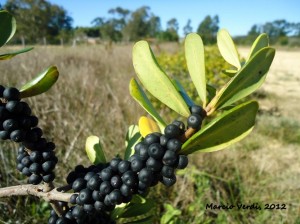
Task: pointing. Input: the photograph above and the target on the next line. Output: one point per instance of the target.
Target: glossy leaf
(133, 136)
(226, 129)
(139, 95)
(227, 48)
(10, 55)
(43, 82)
(194, 54)
(94, 150)
(246, 81)
(147, 220)
(183, 93)
(7, 27)
(155, 80)
(136, 209)
(261, 41)
(230, 72)
(147, 126)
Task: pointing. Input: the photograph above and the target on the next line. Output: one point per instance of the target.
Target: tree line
(41, 22)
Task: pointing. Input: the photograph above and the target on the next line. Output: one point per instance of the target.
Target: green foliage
(94, 150)
(133, 136)
(208, 29)
(7, 27)
(226, 129)
(155, 79)
(171, 215)
(40, 84)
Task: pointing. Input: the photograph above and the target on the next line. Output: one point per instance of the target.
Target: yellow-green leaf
(249, 78)
(261, 41)
(139, 95)
(147, 126)
(228, 49)
(10, 55)
(183, 93)
(155, 80)
(43, 82)
(7, 27)
(230, 72)
(194, 54)
(94, 150)
(226, 129)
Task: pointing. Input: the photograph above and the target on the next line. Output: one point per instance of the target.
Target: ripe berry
(17, 135)
(170, 158)
(115, 197)
(116, 181)
(125, 190)
(106, 174)
(163, 140)
(172, 131)
(143, 152)
(26, 161)
(123, 166)
(48, 155)
(114, 163)
(85, 195)
(89, 208)
(105, 188)
(182, 162)
(77, 212)
(174, 145)
(179, 124)
(35, 168)
(49, 177)
(97, 196)
(94, 182)
(10, 124)
(156, 151)
(20, 167)
(89, 175)
(34, 179)
(137, 165)
(152, 138)
(145, 176)
(99, 206)
(26, 172)
(167, 181)
(194, 121)
(73, 199)
(11, 93)
(129, 178)
(4, 135)
(79, 184)
(153, 164)
(195, 109)
(168, 171)
(14, 107)
(48, 166)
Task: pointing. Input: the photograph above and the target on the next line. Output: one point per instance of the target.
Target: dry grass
(92, 97)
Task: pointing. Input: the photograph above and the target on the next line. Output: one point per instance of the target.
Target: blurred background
(91, 44)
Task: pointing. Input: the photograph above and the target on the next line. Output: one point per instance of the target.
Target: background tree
(171, 33)
(187, 28)
(208, 29)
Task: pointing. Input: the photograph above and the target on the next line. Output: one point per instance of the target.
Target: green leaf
(7, 27)
(194, 54)
(139, 95)
(10, 55)
(40, 84)
(227, 48)
(261, 41)
(138, 209)
(183, 93)
(211, 92)
(155, 80)
(229, 72)
(94, 150)
(147, 220)
(246, 81)
(228, 128)
(133, 136)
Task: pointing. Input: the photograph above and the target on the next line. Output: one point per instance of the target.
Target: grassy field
(92, 97)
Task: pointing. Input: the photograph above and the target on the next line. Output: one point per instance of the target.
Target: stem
(35, 190)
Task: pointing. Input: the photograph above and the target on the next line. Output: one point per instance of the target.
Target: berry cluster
(69, 218)
(36, 158)
(99, 188)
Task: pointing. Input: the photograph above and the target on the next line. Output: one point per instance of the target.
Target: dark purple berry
(115, 197)
(182, 162)
(167, 171)
(49, 177)
(17, 135)
(170, 158)
(114, 164)
(116, 181)
(129, 178)
(124, 166)
(194, 121)
(48, 166)
(137, 165)
(146, 176)
(153, 164)
(14, 107)
(85, 195)
(167, 181)
(11, 93)
(106, 174)
(172, 131)
(152, 138)
(174, 145)
(10, 124)
(105, 188)
(34, 179)
(79, 184)
(94, 182)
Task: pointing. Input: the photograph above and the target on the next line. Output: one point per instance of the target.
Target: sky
(236, 16)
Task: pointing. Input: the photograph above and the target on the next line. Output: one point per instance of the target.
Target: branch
(35, 190)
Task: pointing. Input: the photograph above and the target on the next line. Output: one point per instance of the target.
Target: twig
(35, 190)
